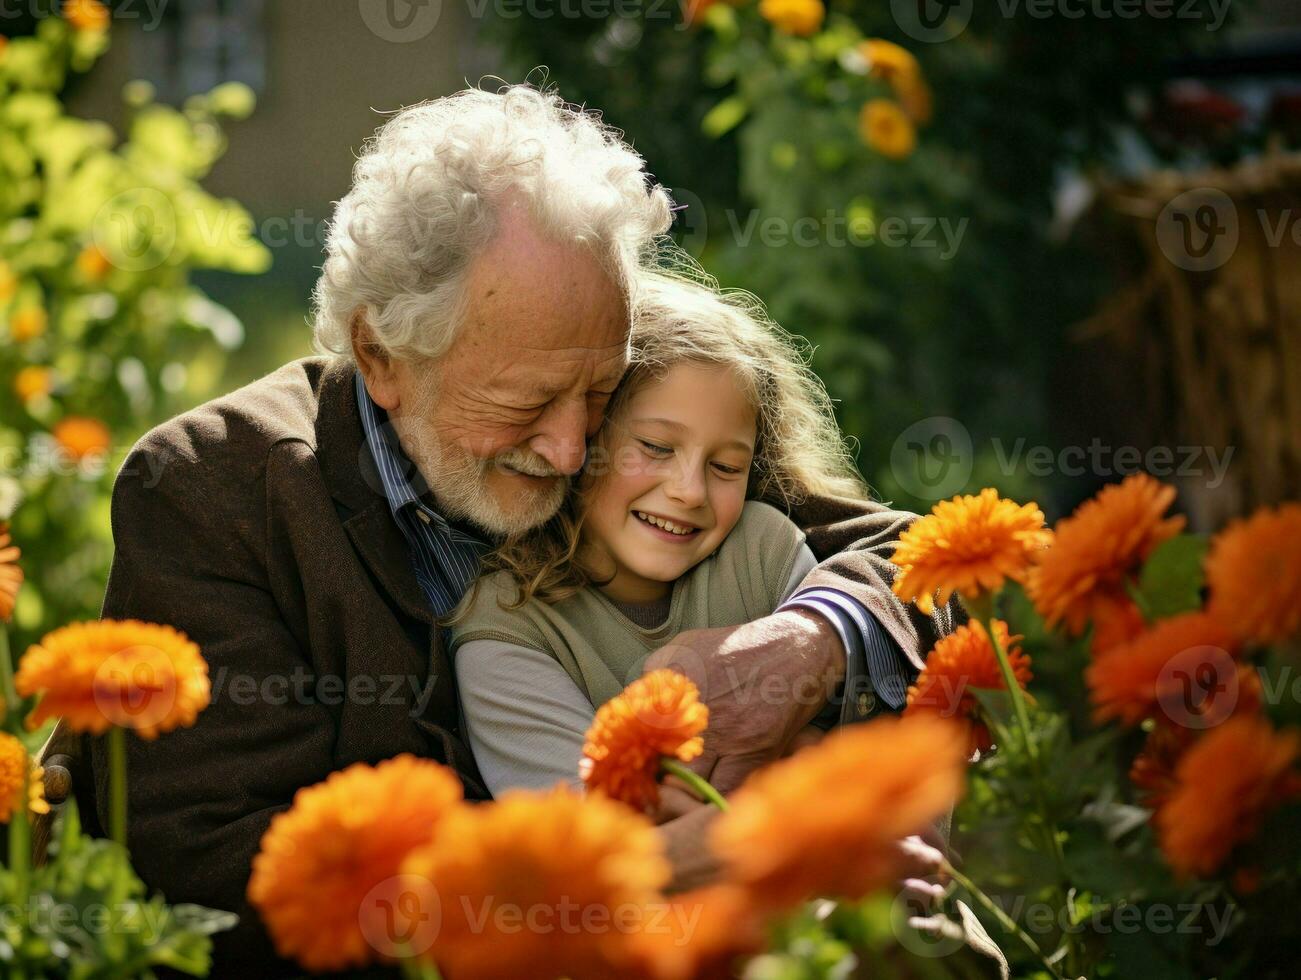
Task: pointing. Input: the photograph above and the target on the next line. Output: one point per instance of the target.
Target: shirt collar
(401, 479)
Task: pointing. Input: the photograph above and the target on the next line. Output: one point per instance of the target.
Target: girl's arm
(524, 716)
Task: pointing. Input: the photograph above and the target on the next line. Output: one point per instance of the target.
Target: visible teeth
(666, 525)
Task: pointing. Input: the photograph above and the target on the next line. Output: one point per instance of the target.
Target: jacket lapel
(354, 482)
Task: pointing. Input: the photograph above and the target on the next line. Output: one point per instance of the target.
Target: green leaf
(725, 116)
(1172, 579)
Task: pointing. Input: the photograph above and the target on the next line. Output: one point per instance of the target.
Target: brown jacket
(257, 525)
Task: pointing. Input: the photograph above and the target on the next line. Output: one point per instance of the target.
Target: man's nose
(563, 439)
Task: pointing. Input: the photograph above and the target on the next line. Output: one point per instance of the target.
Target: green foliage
(1172, 578)
(98, 316)
(86, 917)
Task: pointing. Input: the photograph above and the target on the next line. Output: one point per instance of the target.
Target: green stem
(419, 969)
(1015, 693)
(12, 702)
(1005, 920)
(117, 785)
(696, 782)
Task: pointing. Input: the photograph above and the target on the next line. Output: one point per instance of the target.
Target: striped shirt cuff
(866, 642)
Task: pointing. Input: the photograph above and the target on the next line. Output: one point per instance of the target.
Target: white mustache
(526, 463)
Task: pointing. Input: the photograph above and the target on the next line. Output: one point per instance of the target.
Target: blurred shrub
(103, 332)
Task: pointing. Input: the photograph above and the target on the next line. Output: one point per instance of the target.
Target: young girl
(663, 531)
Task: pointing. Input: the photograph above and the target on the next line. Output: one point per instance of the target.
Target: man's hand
(763, 682)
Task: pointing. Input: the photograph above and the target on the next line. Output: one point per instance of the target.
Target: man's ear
(375, 364)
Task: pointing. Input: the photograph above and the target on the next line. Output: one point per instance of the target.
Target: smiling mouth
(674, 528)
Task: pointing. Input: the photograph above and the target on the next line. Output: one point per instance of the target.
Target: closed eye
(656, 450)
(727, 470)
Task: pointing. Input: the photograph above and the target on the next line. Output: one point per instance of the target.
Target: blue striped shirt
(446, 557)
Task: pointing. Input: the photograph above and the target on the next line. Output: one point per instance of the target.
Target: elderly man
(307, 530)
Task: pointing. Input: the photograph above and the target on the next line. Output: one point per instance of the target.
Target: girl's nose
(687, 487)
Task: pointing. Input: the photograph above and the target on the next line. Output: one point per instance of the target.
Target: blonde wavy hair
(799, 451)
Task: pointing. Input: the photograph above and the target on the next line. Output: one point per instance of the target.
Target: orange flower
(11, 575)
(968, 545)
(1153, 769)
(13, 762)
(538, 885)
(27, 324)
(1094, 550)
(798, 17)
(93, 264)
(86, 15)
(701, 937)
(32, 382)
(1115, 622)
(1182, 667)
(657, 715)
(965, 658)
(1224, 786)
(327, 872)
(131, 674)
(825, 821)
(886, 128)
(8, 281)
(81, 437)
(1253, 569)
(888, 61)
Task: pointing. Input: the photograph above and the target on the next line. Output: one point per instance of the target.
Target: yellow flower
(32, 382)
(131, 674)
(86, 15)
(969, 545)
(825, 821)
(1224, 785)
(966, 659)
(327, 872)
(93, 264)
(655, 716)
(513, 880)
(13, 762)
(27, 324)
(80, 436)
(1253, 570)
(1098, 548)
(798, 17)
(887, 129)
(888, 61)
(8, 281)
(11, 575)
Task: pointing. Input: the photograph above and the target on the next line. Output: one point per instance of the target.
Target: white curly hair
(425, 198)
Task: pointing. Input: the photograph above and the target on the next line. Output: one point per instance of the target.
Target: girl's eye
(726, 470)
(654, 449)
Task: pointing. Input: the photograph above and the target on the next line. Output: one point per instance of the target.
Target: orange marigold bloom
(968, 545)
(1179, 667)
(887, 60)
(131, 674)
(86, 15)
(80, 437)
(1115, 622)
(1153, 769)
(13, 762)
(93, 264)
(32, 382)
(825, 822)
(11, 575)
(657, 715)
(8, 280)
(798, 17)
(536, 884)
(886, 128)
(701, 937)
(1224, 786)
(1098, 547)
(1253, 569)
(966, 659)
(327, 872)
(28, 324)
